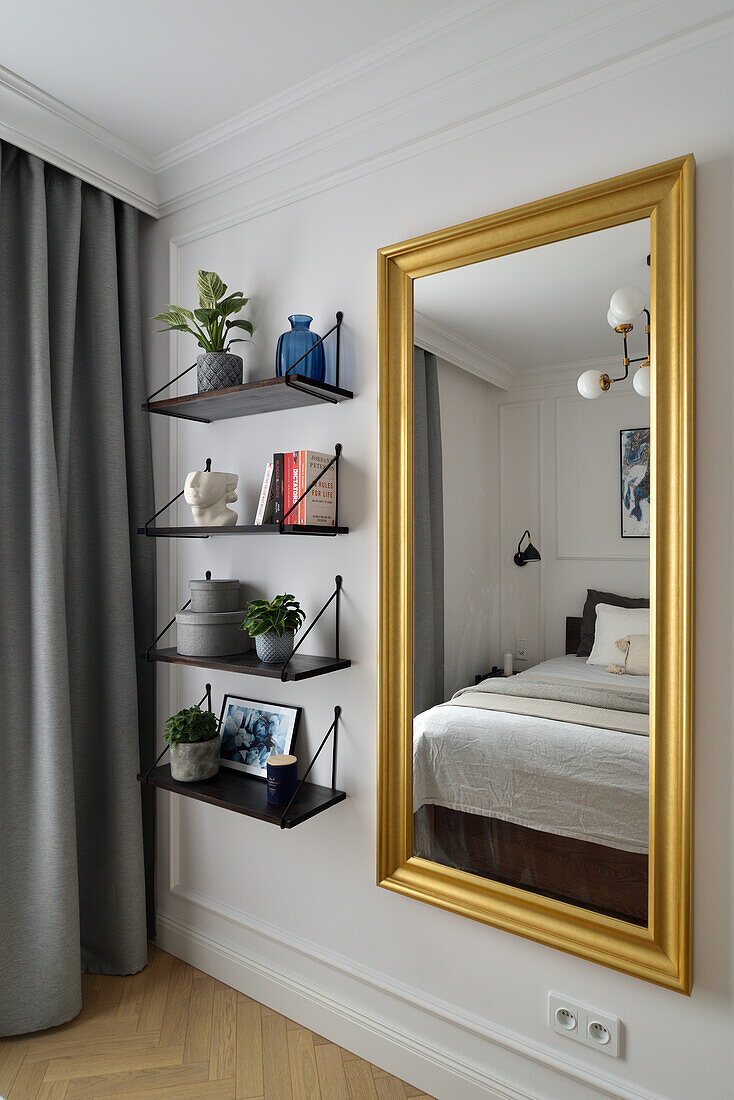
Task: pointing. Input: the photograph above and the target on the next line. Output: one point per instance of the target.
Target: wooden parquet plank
(197, 1047)
(28, 1081)
(332, 1079)
(389, 1088)
(176, 1012)
(156, 992)
(12, 1052)
(97, 1065)
(360, 1081)
(53, 1090)
(132, 995)
(224, 1032)
(211, 1090)
(276, 1070)
(302, 1058)
(249, 1052)
(133, 1082)
(61, 1047)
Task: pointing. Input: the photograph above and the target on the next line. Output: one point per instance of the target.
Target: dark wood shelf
(242, 529)
(266, 395)
(302, 666)
(247, 794)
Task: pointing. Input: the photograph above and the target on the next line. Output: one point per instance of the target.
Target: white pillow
(612, 623)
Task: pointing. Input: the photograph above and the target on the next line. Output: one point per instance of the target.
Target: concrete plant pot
(211, 634)
(194, 761)
(218, 370)
(274, 650)
(214, 596)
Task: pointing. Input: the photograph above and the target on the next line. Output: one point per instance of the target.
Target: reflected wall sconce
(625, 306)
(522, 557)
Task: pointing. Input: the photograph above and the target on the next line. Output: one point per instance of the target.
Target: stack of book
(286, 479)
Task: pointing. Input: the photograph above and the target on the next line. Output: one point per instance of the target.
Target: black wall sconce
(522, 557)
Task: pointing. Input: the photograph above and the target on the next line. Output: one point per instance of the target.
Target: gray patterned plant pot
(194, 761)
(272, 649)
(218, 370)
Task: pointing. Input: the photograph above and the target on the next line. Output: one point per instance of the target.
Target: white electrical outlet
(521, 649)
(585, 1025)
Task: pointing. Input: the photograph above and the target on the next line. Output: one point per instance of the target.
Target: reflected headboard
(573, 633)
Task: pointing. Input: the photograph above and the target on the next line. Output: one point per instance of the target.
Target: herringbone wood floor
(173, 1033)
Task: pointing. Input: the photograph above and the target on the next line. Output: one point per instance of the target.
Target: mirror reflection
(531, 566)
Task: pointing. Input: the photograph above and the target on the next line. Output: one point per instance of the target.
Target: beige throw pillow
(636, 649)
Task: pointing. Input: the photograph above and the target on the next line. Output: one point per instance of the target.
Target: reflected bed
(556, 806)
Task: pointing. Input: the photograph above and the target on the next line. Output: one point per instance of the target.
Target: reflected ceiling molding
(446, 344)
(560, 374)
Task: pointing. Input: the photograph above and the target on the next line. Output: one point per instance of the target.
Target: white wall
(559, 477)
(469, 426)
(295, 918)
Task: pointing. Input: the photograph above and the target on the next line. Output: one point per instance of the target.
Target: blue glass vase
(292, 345)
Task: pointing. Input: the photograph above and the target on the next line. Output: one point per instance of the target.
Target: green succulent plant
(190, 725)
(211, 324)
(278, 615)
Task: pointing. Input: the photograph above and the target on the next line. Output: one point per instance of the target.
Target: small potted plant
(211, 326)
(273, 625)
(193, 737)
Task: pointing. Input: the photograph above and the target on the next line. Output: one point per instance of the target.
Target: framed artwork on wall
(251, 731)
(634, 477)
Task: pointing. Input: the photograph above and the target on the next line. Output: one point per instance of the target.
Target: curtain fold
(428, 556)
(78, 594)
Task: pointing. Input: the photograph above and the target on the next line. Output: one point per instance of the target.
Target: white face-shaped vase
(208, 493)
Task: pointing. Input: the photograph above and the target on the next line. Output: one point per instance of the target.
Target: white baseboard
(361, 1029)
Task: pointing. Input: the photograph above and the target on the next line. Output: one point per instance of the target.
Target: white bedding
(576, 781)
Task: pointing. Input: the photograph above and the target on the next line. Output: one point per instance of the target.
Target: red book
(290, 487)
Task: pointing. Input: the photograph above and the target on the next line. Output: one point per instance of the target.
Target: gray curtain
(77, 593)
(428, 536)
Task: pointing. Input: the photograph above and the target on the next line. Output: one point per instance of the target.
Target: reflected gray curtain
(428, 536)
(77, 593)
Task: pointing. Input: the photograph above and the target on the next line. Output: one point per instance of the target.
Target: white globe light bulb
(589, 384)
(611, 319)
(627, 303)
(641, 381)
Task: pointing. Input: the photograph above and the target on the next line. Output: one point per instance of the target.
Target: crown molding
(559, 374)
(48, 128)
(446, 344)
(416, 91)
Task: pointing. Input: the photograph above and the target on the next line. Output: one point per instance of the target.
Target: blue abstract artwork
(635, 482)
(252, 732)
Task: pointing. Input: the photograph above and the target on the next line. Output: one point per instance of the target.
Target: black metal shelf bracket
(167, 384)
(333, 728)
(334, 462)
(207, 698)
(335, 596)
(334, 328)
(150, 534)
(168, 626)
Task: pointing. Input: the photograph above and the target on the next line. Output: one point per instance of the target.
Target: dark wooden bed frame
(606, 880)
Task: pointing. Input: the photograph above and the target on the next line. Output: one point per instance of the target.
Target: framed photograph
(251, 731)
(634, 467)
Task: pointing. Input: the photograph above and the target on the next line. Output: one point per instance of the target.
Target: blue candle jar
(292, 345)
(282, 779)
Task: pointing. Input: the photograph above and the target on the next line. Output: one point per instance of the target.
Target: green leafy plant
(190, 725)
(279, 615)
(212, 323)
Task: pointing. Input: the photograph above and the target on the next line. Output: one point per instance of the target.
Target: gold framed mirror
(552, 235)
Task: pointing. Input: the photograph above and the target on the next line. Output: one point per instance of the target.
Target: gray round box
(211, 634)
(209, 595)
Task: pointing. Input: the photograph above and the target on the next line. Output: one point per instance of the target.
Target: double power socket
(585, 1025)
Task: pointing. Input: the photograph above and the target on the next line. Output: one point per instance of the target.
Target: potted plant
(193, 737)
(273, 625)
(211, 326)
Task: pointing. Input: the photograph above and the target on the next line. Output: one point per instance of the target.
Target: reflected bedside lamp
(530, 553)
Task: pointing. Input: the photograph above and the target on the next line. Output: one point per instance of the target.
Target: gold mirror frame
(661, 952)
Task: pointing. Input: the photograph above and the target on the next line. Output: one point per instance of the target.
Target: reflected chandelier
(625, 306)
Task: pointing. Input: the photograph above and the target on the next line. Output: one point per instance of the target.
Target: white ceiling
(545, 306)
(157, 73)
